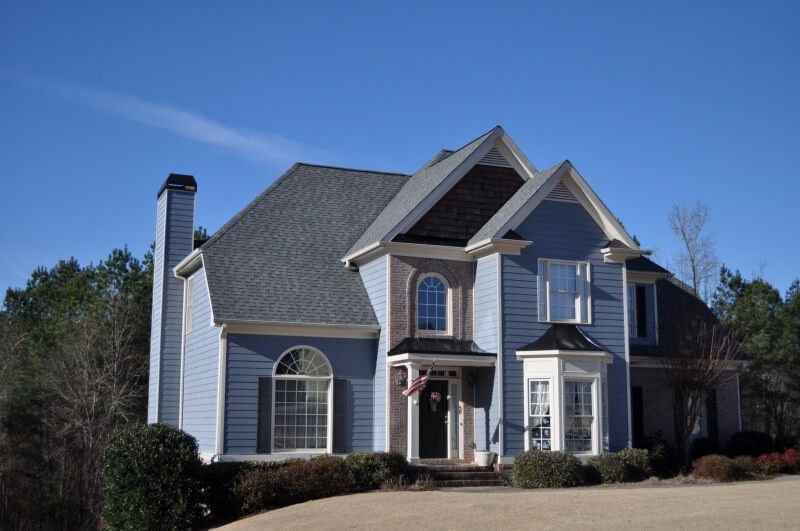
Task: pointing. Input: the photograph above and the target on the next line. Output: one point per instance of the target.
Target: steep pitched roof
(645, 265)
(279, 259)
(417, 189)
(513, 205)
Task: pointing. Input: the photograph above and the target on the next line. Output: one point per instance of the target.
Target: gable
(468, 205)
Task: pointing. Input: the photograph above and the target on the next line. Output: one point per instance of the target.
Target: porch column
(412, 426)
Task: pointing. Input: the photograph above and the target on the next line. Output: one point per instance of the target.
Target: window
(563, 291)
(187, 314)
(637, 311)
(578, 416)
(432, 304)
(302, 399)
(539, 411)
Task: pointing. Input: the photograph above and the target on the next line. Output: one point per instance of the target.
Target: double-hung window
(637, 311)
(563, 291)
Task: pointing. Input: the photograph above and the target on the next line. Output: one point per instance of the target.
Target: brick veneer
(405, 273)
(658, 406)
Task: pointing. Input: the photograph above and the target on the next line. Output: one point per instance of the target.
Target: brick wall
(405, 273)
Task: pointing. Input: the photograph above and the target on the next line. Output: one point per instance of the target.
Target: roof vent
(561, 193)
(494, 158)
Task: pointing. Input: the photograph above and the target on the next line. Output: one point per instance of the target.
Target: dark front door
(433, 420)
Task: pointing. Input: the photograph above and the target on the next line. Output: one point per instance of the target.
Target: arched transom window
(432, 304)
(302, 401)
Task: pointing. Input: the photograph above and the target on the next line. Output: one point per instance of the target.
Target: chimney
(174, 241)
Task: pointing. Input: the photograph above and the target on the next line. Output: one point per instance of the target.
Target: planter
(483, 458)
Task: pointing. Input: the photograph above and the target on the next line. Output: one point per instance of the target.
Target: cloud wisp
(258, 146)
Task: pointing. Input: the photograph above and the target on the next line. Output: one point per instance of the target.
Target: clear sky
(655, 103)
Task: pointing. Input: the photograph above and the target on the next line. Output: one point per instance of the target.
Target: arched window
(302, 400)
(432, 304)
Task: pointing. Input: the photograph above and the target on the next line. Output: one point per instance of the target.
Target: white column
(412, 426)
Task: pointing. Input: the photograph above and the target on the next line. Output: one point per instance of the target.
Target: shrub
(746, 466)
(630, 464)
(373, 469)
(761, 440)
(791, 461)
(785, 442)
(703, 446)
(539, 469)
(716, 467)
(151, 478)
(286, 483)
(771, 463)
(787, 462)
(664, 459)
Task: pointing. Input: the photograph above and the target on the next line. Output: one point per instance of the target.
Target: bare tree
(697, 262)
(698, 356)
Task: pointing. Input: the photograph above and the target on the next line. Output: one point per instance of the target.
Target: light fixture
(400, 378)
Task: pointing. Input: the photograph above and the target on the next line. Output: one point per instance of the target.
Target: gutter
(221, 378)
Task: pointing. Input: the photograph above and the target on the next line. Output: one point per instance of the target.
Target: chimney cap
(177, 181)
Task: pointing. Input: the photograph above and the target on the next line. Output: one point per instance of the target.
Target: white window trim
(552, 415)
(543, 289)
(594, 381)
(448, 329)
(329, 435)
(188, 308)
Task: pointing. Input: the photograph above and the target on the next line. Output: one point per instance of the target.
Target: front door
(433, 420)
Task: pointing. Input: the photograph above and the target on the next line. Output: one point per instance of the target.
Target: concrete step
(461, 475)
(470, 483)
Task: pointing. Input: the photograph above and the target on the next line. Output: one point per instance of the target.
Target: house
(294, 329)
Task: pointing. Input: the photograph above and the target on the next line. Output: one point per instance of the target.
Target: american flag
(419, 382)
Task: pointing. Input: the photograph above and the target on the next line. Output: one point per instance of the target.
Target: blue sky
(654, 103)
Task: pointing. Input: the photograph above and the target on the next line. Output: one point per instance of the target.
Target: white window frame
(593, 382)
(295, 377)
(447, 307)
(551, 414)
(583, 297)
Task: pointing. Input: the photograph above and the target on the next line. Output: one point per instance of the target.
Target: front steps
(455, 473)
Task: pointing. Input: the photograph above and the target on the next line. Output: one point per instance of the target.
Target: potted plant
(482, 457)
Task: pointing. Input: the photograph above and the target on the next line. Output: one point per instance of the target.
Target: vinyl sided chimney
(174, 241)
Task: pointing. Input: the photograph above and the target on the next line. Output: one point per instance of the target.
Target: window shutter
(641, 312)
(541, 291)
(264, 431)
(339, 416)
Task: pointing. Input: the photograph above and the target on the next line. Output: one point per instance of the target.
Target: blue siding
(374, 277)
(485, 332)
(250, 357)
(565, 231)
(174, 241)
(201, 370)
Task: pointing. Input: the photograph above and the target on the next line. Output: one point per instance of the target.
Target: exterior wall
(201, 370)
(374, 276)
(398, 413)
(405, 272)
(561, 230)
(657, 404)
(486, 393)
(174, 241)
(250, 357)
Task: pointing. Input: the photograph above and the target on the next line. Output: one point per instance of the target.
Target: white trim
(387, 394)
(617, 255)
(278, 328)
(280, 456)
(286, 377)
(424, 250)
(515, 156)
(628, 398)
(445, 185)
(448, 308)
(645, 277)
(574, 355)
(469, 253)
(496, 245)
(189, 265)
(461, 360)
(186, 282)
(500, 354)
(221, 378)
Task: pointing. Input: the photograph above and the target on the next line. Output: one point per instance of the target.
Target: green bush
(539, 469)
(665, 460)
(151, 478)
(761, 440)
(722, 468)
(630, 464)
(285, 483)
(373, 469)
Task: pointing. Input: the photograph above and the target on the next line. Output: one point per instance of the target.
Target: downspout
(223, 362)
(183, 353)
(629, 442)
(500, 354)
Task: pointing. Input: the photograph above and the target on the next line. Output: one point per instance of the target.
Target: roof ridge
(312, 165)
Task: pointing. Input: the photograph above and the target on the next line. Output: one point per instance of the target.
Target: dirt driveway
(773, 504)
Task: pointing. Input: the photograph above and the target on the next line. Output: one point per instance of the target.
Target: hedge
(540, 469)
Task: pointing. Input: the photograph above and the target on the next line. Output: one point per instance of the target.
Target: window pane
(578, 416)
(539, 410)
(432, 305)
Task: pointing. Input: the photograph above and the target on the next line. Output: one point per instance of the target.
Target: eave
(189, 265)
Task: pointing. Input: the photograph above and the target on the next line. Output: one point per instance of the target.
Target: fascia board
(443, 187)
(566, 355)
(509, 149)
(497, 245)
(278, 328)
(188, 265)
(444, 360)
(603, 216)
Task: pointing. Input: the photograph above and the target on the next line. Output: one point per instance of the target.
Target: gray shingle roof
(645, 265)
(279, 259)
(511, 206)
(418, 187)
